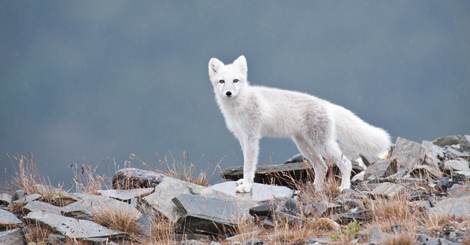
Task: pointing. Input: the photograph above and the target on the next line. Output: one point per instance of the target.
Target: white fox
(314, 124)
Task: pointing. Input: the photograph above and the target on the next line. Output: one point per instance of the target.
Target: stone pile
(433, 177)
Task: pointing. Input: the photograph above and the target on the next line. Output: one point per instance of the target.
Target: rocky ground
(420, 195)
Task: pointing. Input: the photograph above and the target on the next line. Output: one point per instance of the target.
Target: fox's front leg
(250, 149)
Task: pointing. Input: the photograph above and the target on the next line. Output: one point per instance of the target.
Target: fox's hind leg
(333, 152)
(315, 160)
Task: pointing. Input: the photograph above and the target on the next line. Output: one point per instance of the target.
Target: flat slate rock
(38, 206)
(11, 237)
(208, 214)
(388, 190)
(377, 169)
(125, 195)
(455, 165)
(28, 198)
(460, 207)
(91, 205)
(161, 199)
(72, 227)
(408, 153)
(425, 171)
(8, 219)
(347, 217)
(259, 192)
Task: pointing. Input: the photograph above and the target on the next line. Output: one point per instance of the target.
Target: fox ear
(214, 66)
(240, 63)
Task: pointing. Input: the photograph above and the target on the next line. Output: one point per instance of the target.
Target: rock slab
(161, 199)
(38, 206)
(125, 195)
(207, 214)
(259, 193)
(388, 190)
(73, 228)
(91, 205)
(8, 219)
(11, 237)
(5, 199)
(460, 207)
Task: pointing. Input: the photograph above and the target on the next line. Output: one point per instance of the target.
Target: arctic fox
(252, 112)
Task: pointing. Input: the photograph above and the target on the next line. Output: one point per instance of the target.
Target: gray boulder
(131, 178)
(5, 199)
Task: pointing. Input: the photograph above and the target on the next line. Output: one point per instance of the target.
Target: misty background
(105, 79)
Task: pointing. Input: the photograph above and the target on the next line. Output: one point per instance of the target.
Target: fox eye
(221, 81)
(235, 81)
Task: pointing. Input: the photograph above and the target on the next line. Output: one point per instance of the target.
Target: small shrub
(347, 233)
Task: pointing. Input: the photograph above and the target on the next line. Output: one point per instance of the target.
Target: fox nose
(228, 93)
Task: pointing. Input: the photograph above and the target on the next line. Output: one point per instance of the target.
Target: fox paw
(243, 186)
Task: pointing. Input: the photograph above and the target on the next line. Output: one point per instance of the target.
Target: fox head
(228, 80)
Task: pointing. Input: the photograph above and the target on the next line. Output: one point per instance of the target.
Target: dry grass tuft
(87, 180)
(28, 176)
(184, 170)
(466, 239)
(401, 238)
(161, 229)
(36, 234)
(286, 233)
(118, 219)
(17, 208)
(309, 194)
(435, 221)
(391, 212)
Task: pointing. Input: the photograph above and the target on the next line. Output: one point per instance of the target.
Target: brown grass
(466, 239)
(28, 176)
(118, 219)
(184, 170)
(435, 221)
(401, 238)
(87, 180)
(161, 229)
(390, 212)
(35, 233)
(285, 233)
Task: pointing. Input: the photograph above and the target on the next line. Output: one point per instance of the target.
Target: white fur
(252, 112)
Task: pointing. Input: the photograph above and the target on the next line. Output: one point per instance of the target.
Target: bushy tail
(359, 135)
